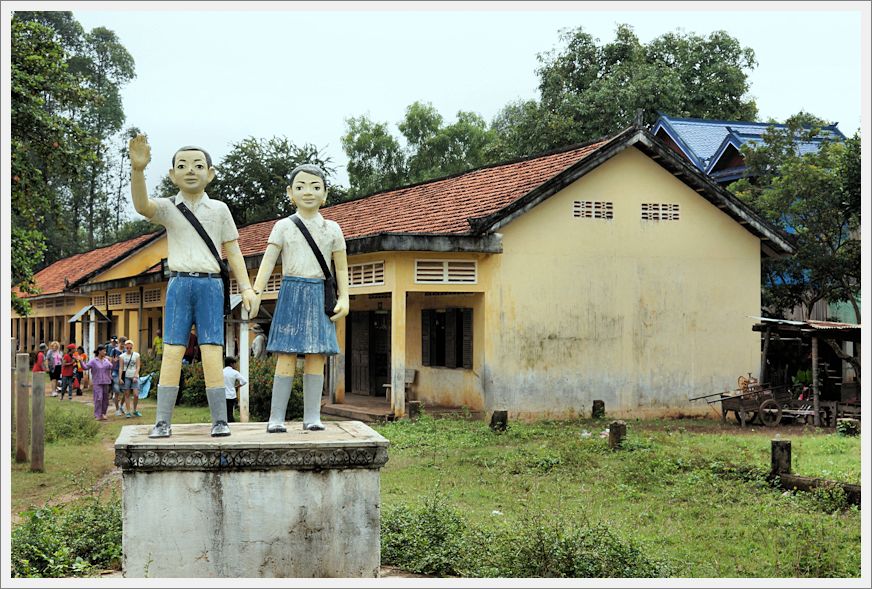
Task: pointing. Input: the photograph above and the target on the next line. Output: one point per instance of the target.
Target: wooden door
(360, 382)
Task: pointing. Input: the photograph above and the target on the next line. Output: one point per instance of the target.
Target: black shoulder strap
(202, 232)
(299, 223)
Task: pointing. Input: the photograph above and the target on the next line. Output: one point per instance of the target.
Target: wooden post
(814, 382)
(14, 380)
(763, 355)
(37, 408)
(22, 427)
(780, 457)
(599, 410)
(617, 433)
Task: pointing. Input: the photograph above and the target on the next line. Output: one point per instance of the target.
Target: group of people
(113, 374)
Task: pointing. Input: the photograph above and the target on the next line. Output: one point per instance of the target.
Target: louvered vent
(369, 274)
(446, 271)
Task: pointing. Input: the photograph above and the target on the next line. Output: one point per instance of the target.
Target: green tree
(375, 158)
(814, 197)
(588, 90)
(48, 147)
(433, 149)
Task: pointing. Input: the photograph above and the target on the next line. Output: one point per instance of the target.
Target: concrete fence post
(617, 433)
(22, 407)
(37, 410)
(781, 457)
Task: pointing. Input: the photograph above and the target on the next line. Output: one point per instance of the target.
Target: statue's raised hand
(140, 152)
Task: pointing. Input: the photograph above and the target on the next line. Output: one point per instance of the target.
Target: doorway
(368, 343)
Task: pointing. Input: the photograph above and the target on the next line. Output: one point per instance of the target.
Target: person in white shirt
(232, 379)
(258, 346)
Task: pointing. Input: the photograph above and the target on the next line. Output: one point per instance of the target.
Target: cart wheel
(750, 416)
(770, 413)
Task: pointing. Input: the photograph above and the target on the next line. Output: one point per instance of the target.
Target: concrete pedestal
(299, 504)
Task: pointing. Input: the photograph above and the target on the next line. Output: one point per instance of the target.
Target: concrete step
(358, 413)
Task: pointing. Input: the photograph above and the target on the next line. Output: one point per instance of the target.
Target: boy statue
(300, 322)
(195, 294)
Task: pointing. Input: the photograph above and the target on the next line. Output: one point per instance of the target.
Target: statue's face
(190, 172)
(307, 192)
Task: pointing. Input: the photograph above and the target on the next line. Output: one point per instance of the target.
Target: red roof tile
(440, 206)
(51, 279)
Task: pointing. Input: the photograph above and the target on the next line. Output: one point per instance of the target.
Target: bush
(435, 539)
(73, 540)
(848, 427)
(71, 426)
(192, 385)
(260, 378)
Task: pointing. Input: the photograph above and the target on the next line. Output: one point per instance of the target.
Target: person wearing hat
(39, 365)
(68, 367)
(258, 346)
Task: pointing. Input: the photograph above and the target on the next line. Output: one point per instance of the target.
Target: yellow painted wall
(640, 314)
(137, 263)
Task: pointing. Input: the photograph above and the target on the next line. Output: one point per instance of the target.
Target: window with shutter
(446, 337)
(466, 343)
(426, 320)
(451, 339)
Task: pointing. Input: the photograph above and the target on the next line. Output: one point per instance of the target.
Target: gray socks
(281, 393)
(313, 384)
(217, 404)
(166, 401)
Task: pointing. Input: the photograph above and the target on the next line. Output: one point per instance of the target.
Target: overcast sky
(214, 78)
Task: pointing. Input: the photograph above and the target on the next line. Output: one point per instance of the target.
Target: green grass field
(691, 492)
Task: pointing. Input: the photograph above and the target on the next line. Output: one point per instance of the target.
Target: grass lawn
(691, 492)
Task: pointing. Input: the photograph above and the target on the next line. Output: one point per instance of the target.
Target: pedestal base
(299, 504)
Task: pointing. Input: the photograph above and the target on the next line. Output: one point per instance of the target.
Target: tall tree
(375, 158)
(48, 147)
(814, 197)
(588, 90)
(433, 149)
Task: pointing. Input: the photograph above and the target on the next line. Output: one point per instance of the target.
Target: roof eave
(491, 243)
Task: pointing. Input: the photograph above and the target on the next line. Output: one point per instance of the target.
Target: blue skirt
(299, 324)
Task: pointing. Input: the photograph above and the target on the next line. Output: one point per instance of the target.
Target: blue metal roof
(705, 140)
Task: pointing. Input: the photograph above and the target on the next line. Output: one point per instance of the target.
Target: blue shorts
(194, 301)
(299, 324)
(130, 384)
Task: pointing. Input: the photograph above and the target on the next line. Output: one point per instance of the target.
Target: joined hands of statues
(250, 302)
(140, 152)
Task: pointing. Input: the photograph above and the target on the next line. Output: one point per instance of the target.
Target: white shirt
(130, 364)
(298, 259)
(186, 250)
(231, 376)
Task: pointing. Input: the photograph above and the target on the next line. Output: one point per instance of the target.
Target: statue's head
(192, 169)
(308, 187)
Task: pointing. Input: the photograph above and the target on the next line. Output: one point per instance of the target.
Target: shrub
(428, 539)
(192, 385)
(73, 540)
(434, 538)
(848, 427)
(71, 426)
(260, 378)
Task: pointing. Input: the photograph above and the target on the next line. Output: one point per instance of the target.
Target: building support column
(337, 364)
(398, 352)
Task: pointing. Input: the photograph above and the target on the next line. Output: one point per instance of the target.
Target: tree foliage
(48, 146)
(378, 161)
(588, 90)
(815, 197)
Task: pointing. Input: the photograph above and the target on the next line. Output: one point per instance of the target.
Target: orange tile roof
(73, 269)
(438, 206)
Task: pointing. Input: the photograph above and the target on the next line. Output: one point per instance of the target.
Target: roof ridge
(727, 122)
(517, 160)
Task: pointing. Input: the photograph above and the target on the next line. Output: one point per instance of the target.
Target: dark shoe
(161, 429)
(220, 428)
(276, 428)
(313, 427)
